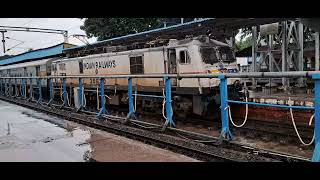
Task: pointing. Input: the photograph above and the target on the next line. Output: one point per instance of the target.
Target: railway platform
(27, 135)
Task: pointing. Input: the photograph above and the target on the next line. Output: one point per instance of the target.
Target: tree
(105, 28)
(245, 40)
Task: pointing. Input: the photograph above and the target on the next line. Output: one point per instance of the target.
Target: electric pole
(3, 41)
(4, 29)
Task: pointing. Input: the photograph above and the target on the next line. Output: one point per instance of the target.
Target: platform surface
(30, 136)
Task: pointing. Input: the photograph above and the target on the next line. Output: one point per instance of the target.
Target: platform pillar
(225, 131)
(102, 96)
(39, 91)
(169, 112)
(131, 113)
(316, 152)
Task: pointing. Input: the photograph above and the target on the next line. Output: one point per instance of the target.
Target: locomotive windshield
(212, 55)
(226, 54)
(209, 55)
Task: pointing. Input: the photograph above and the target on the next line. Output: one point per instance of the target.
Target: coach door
(172, 65)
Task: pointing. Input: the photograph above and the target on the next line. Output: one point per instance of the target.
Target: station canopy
(219, 27)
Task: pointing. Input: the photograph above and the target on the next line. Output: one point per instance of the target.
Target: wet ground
(27, 135)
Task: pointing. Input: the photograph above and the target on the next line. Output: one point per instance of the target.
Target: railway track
(212, 150)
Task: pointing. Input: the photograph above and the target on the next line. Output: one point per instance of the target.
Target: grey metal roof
(217, 25)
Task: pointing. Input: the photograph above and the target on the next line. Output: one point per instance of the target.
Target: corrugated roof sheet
(36, 54)
(143, 33)
(231, 23)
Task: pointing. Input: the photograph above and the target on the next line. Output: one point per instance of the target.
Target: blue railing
(6, 82)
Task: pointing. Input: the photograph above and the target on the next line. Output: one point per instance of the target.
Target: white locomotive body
(190, 56)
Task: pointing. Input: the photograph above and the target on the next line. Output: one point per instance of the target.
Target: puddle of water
(26, 135)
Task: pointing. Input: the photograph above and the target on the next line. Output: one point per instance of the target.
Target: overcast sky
(40, 40)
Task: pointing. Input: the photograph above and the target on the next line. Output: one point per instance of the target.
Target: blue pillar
(39, 90)
(21, 88)
(5, 87)
(31, 89)
(50, 91)
(10, 84)
(1, 86)
(316, 152)
(10, 87)
(64, 92)
(102, 101)
(24, 88)
(169, 112)
(130, 98)
(225, 131)
(80, 94)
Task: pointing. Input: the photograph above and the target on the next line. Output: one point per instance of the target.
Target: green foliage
(244, 43)
(105, 28)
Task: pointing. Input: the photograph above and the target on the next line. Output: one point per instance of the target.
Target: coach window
(81, 67)
(136, 65)
(184, 57)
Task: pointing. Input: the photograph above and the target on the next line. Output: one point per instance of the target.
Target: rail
(292, 74)
(6, 82)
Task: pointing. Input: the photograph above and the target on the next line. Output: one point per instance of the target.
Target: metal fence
(6, 82)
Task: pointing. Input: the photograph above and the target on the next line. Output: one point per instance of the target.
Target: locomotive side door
(172, 65)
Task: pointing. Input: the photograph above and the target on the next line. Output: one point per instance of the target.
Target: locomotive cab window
(184, 57)
(136, 65)
(209, 55)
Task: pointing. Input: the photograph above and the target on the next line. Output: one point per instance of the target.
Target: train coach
(39, 68)
(187, 56)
